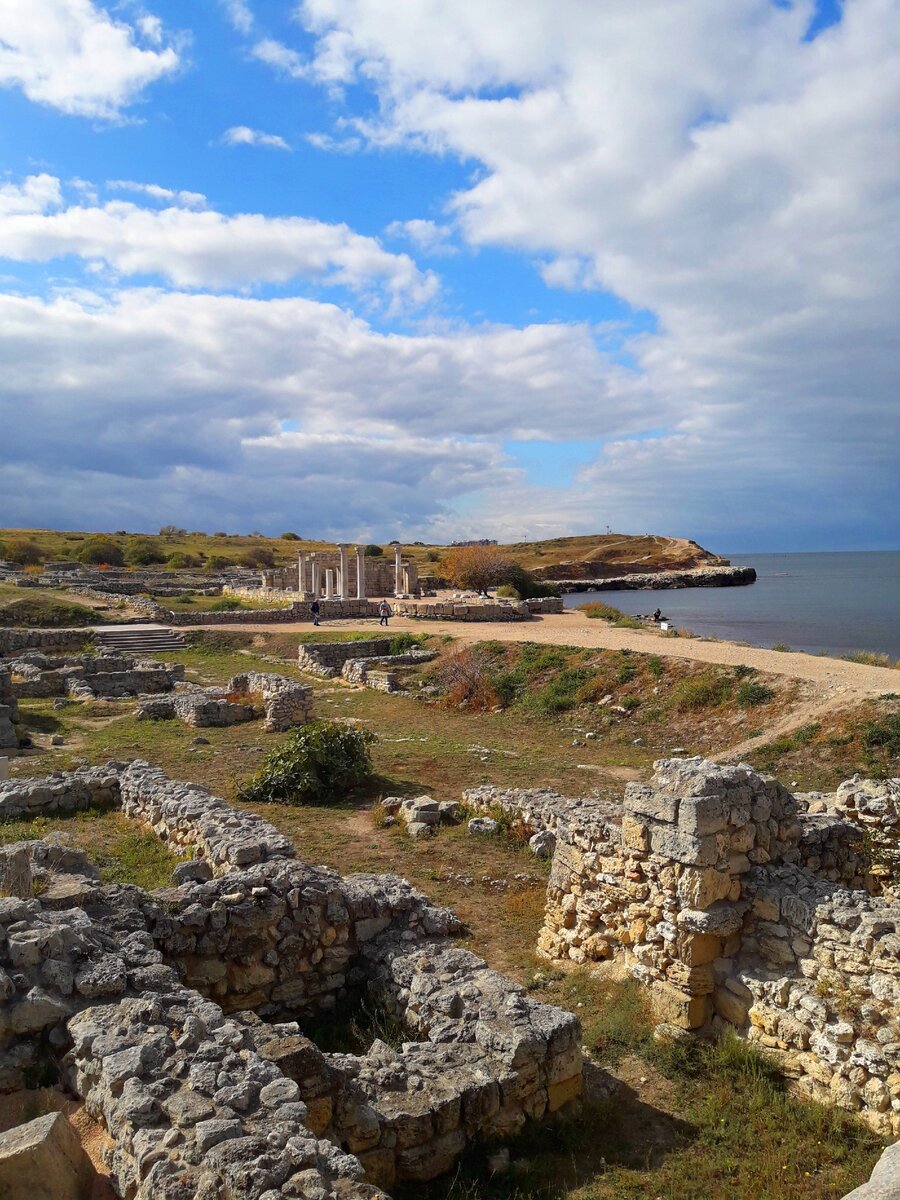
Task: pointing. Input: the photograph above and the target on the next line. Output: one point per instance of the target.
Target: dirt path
(833, 676)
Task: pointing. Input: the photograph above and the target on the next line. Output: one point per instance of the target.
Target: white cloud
(71, 55)
(333, 145)
(243, 135)
(702, 161)
(35, 195)
(156, 192)
(207, 248)
(427, 236)
(277, 55)
(240, 15)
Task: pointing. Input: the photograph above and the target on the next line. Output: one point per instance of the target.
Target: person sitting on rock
(657, 615)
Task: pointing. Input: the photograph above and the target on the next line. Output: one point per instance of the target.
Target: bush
(256, 556)
(218, 562)
(626, 672)
(179, 561)
(98, 549)
(742, 671)
(141, 551)
(508, 592)
(699, 691)
(606, 612)
(373, 551)
(468, 678)
(171, 531)
(783, 647)
(403, 642)
(319, 763)
(290, 537)
(477, 567)
(655, 666)
(749, 695)
(22, 551)
(881, 742)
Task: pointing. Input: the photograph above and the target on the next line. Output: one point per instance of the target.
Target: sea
(823, 603)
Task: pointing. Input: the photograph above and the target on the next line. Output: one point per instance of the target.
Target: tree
(22, 551)
(290, 537)
(373, 551)
(476, 567)
(172, 531)
(99, 549)
(140, 551)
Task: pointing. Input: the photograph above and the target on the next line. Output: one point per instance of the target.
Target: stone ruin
(10, 732)
(369, 663)
(90, 676)
(736, 908)
(178, 1015)
(284, 702)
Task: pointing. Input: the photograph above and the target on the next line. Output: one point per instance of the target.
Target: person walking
(384, 611)
(314, 611)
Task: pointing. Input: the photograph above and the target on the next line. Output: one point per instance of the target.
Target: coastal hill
(589, 556)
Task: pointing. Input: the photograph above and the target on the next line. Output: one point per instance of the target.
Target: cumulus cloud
(743, 190)
(427, 236)
(243, 135)
(72, 55)
(276, 54)
(156, 192)
(35, 195)
(240, 15)
(206, 248)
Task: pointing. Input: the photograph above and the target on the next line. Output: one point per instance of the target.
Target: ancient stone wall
(200, 1105)
(287, 703)
(14, 640)
(86, 676)
(9, 712)
(733, 905)
(327, 659)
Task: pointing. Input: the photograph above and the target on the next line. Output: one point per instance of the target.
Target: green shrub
(783, 647)
(606, 612)
(373, 551)
(655, 666)
(626, 672)
(564, 691)
(179, 561)
(742, 671)
(402, 642)
(699, 691)
(290, 537)
(141, 551)
(319, 763)
(22, 551)
(98, 549)
(749, 694)
(508, 592)
(218, 562)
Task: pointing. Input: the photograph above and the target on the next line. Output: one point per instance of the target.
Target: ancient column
(315, 582)
(360, 573)
(343, 581)
(398, 572)
(329, 584)
(301, 574)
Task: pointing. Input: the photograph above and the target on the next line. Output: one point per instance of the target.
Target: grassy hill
(593, 554)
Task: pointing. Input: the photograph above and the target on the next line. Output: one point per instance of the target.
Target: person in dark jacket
(314, 611)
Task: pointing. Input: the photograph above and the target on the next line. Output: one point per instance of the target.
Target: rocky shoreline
(699, 577)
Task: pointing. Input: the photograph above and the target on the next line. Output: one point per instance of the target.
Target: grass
(606, 612)
(610, 554)
(872, 658)
(706, 690)
(710, 1120)
(31, 609)
(123, 853)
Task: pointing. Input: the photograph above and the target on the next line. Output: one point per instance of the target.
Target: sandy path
(832, 676)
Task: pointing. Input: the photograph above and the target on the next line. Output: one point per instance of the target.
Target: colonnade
(333, 582)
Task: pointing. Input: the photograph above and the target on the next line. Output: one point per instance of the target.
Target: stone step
(155, 639)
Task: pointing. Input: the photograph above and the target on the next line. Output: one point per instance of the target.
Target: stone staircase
(143, 639)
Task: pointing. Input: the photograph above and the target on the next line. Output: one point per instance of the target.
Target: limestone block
(730, 1007)
(700, 887)
(672, 1005)
(43, 1160)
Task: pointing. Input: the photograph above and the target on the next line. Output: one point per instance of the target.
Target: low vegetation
(34, 609)
(598, 611)
(320, 762)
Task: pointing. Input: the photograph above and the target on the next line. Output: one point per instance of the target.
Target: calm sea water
(835, 603)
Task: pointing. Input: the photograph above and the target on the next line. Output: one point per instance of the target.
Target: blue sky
(370, 269)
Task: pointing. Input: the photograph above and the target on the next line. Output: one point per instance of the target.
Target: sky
(374, 269)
